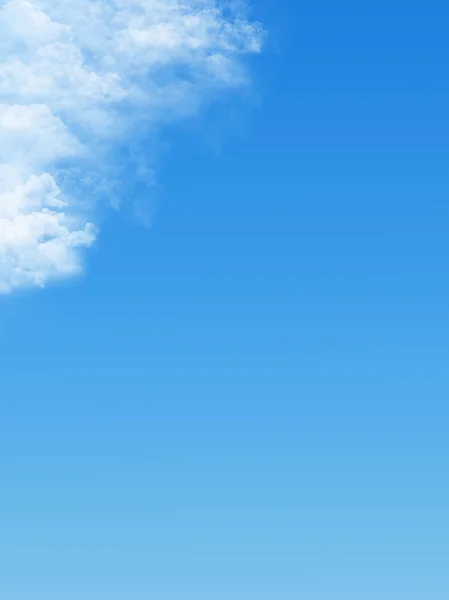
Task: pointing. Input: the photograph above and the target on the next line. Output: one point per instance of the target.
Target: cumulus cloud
(79, 81)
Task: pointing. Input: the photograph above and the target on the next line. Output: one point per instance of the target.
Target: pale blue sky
(248, 400)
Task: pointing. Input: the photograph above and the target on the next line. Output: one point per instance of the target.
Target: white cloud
(78, 79)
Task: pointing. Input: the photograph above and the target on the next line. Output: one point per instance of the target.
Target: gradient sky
(248, 399)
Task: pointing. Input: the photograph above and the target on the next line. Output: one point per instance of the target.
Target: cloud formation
(79, 81)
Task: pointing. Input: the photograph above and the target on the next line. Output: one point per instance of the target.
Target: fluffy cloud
(79, 80)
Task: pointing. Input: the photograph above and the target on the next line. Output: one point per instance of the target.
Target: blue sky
(248, 399)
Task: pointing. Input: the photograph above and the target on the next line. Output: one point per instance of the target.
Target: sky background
(248, 400)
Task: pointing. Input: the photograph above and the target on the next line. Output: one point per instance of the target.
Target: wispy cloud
(79, 81)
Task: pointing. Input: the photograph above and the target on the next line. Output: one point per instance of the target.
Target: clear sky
(248, 399)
